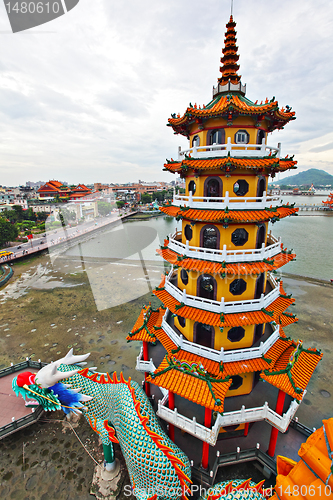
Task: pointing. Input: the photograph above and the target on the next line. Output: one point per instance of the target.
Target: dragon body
(119, 411)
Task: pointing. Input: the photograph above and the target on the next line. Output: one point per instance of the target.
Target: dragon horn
(71, 359)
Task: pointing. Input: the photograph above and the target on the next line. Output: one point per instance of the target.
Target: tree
(66, 216)
(42, 216)
(120, 203)
(146, 198)
(103, 207)
(8, 232)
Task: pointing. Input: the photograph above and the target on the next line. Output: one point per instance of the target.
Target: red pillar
(275, 432)
(171, 407)
(205, 446)
(146, 358)
(246, 429)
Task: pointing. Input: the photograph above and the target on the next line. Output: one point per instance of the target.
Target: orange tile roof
(231, 216)
(230, 107)
(292, 377)
(195, 388)
(276, 309)
(269, 164)
(206, 266)
(144, 328)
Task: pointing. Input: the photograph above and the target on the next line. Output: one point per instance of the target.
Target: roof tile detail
(266, 164)
(205, 266)
(231, 216)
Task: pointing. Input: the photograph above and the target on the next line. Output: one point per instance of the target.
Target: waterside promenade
(60, 236)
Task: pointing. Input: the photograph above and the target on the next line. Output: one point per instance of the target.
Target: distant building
(53, 188)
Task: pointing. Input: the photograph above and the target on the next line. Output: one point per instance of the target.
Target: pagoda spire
(230, 56)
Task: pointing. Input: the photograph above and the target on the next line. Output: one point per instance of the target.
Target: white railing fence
(244, 415)
(236, 150)
(222, 355)
(221, 203)
(229, 256)
(222, 306)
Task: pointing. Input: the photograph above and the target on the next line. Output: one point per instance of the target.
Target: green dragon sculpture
(119, 411)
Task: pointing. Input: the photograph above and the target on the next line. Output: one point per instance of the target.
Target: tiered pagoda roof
(268, 164)
(239, 268)
(230, 57)
(227, 216)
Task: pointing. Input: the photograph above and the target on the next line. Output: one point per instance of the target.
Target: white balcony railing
(222, 306)
(221, 203)
(235, 150)
(229, 256)
(144, 366)
(148, 367)
(222, 355)
(281, 422)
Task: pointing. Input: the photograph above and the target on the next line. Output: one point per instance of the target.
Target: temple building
(219, 332)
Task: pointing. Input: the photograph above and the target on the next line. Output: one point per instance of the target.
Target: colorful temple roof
(293, 370)
(230, 216)
(230, 107)
(191, 382)
(241, 268)
(268, 164)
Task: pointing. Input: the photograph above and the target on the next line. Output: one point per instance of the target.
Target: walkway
(14, 414)
(40, 243)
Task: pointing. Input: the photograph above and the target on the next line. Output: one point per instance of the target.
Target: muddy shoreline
(49, 307)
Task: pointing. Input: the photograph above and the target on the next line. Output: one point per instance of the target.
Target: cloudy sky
(86, 97)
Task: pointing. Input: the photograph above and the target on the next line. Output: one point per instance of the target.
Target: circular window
(237, 287)
(241, 187)
(236, 382)
(188, 232)
(182, 321)
(195, 141)
(192, 187)
(236, 334)
(239, 237)
(184, 276)
(242, 137)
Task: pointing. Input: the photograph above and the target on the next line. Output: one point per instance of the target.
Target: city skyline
(88, 95)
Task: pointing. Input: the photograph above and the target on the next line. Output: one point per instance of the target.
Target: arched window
(259, 286)
(261, 187)
(184, 276)
(213, 188)
(181, 321)
(260, 136)
(206, 287)
(210, 237)
(192, 186)
(204, 335)
(242, 137)
(195, 141)
(215, 137)
(188, 232)
(261, 235)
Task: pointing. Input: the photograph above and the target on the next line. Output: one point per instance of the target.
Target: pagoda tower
(219, 330)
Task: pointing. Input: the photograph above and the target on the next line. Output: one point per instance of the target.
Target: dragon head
(46, 389)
